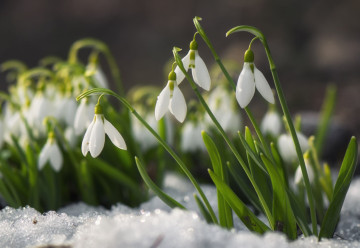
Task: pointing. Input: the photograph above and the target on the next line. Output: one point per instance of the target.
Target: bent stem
(232, 84)
(159, 139)
(227, 140)
(102, 47)
(286, 112)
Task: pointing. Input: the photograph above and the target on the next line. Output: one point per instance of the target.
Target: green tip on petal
(249, 56)
(172, 76)
(98, 109)
(171, 85)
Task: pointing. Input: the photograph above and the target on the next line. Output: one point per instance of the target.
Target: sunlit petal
(178, 105)
(201, 74)
(162, 103)
(44, 155)
(179, 74)
(86, 139)
(97, 137)
(263, 86)
(245, 87)
(114, 135)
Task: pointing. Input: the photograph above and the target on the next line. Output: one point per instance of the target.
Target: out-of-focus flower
(287, 148)
(51, 153)
(271, 123)
(191, 139)
(223, 105)
(83, 116)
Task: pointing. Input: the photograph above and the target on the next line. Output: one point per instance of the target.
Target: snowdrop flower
(83, 116)
(191, 138)
(224, 108)
(94, 138)
(144, 138)
(66, 109)
(51, 153)
(287, 148)
(298, 173)
(249, 79)
(199, 70)
(171, 98)
(40, 108)
(271, 123)
(94, 70)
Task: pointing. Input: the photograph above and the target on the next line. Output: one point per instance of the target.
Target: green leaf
(242, 211)
(341, 187)
(257, 171)
(326, 114)
(225, 214)
(282, 211)
(161, 194)
(203, 209)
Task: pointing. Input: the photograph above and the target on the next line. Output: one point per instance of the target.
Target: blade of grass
(282, 211)
(242, 211)
(341, 187)
(168, 200)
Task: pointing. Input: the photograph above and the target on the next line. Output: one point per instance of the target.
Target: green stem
(232, 84)
(227, 140)
(286, 112)
(159, 139)
(89, 42)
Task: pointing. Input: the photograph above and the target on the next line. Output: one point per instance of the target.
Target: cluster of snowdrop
(281, 165)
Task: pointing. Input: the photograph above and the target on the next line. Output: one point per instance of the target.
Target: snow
(154, 224)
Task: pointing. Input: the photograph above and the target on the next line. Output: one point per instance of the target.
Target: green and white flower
(51, 153)
(249, 79)
(171, 98)
(94, 138)
(199, 70)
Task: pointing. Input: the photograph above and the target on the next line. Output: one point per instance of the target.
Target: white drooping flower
(94, 138)
(298, 178)
(66, 109)
(83, 116)
(287, 148)
(223, 106)
(40, 108)
(249, 79)
(51, 153)
(199, 70)
(94, 70)
(171, 98)
(271, 123)
(191, 139)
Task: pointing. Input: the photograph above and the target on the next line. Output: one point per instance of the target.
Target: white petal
(271, 124)
(56, 159)
(80, 118)
(201, 74)
(178, 105)
(86, 139)
(114, 135)
(287, 148)
(263, 86)
(162, 103)
(97, 137)
(179, 74)
(245, 87)
(304, 144)
(44, 155)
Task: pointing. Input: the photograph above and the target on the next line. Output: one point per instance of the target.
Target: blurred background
(313, 42)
